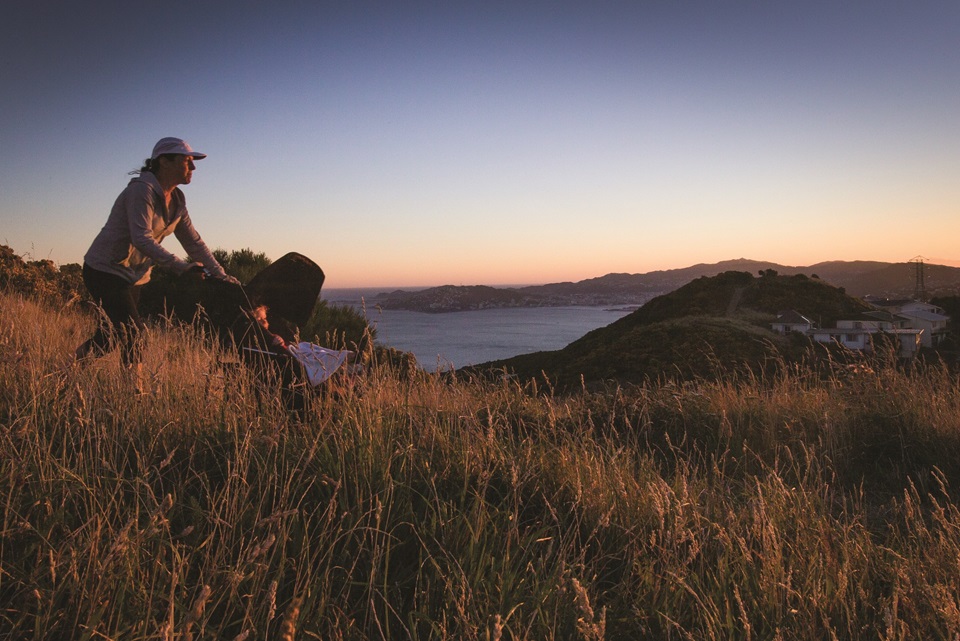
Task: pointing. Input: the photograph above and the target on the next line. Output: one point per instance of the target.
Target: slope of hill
(723, 319)
(890, 280)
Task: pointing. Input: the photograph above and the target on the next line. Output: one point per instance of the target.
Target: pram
(260, 323)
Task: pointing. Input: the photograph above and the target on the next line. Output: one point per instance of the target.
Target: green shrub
(40, 279)
(242, 264)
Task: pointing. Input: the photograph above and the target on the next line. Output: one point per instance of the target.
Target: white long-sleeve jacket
(129, 243)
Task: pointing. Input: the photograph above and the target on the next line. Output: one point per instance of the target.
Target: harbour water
(457, 339)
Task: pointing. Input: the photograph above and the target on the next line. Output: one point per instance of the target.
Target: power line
(920, 291)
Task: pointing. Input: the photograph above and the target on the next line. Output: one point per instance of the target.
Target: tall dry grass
(801, 506)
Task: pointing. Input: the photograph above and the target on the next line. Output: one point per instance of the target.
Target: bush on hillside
(158, 295)
(40, 279)
(242, 264)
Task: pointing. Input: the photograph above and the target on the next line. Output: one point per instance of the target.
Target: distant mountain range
(857, 278)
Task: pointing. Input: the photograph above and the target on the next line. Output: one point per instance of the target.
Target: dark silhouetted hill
(706, 326)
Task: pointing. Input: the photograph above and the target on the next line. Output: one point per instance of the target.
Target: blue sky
(414, 143)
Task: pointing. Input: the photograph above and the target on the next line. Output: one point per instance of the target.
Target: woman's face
(178, 168)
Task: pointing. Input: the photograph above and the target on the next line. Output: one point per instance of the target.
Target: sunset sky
(427, 143)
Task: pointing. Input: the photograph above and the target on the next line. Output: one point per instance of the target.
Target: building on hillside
(862, 339)
(930, 318)
(917, 315)
(856, 333)
(792, 321)
(877, 320)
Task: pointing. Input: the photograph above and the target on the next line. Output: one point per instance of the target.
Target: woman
(122, 255)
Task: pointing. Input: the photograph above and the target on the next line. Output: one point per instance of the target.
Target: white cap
(175, 146)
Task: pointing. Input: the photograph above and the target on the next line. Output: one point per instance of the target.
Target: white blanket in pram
(319, 362)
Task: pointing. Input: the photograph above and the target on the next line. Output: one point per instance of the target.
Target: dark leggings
(118, 299)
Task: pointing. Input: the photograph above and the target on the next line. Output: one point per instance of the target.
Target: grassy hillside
(789, 506)
(711, 325)
(737, 294)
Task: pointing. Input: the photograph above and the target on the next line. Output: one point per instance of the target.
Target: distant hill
(859, 278)
(723, 319)
(451, 298)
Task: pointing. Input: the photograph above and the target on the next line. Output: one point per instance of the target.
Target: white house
(855, 333)
(878, 320)
(930, 318)
(918, 315)
(860, 339)
(791, 321)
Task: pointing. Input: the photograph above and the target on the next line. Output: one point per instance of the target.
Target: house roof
(924, 315)
(877, 316)
(888, 303)
(791, 317)
(916, 304)
(882, 315)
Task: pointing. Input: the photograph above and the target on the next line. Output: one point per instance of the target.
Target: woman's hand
(195, 270)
